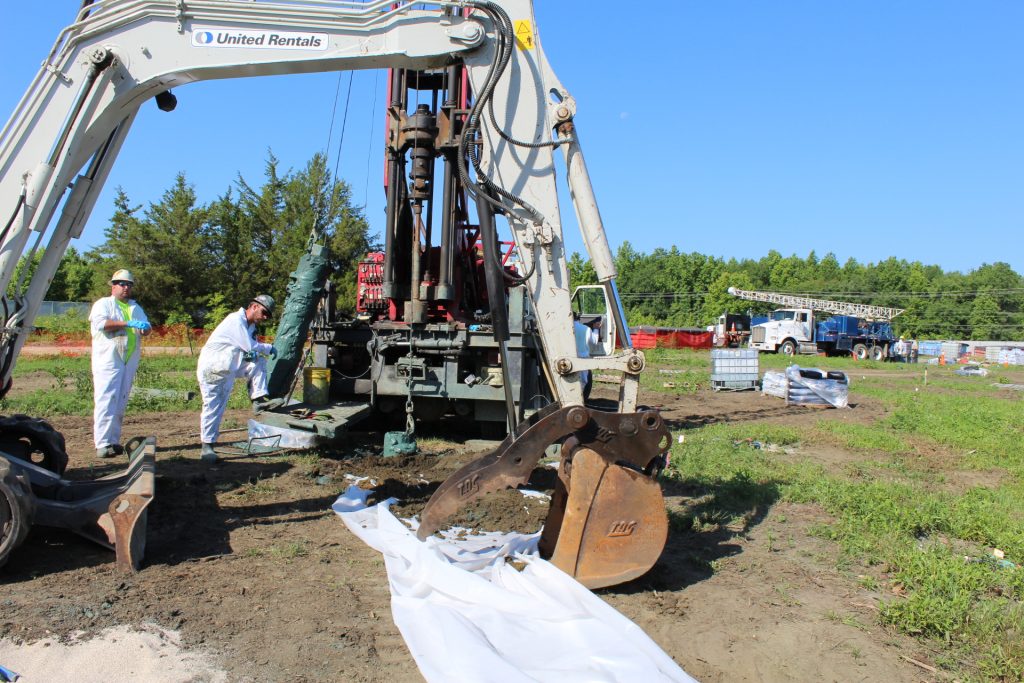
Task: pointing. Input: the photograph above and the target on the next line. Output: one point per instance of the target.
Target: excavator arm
(608, 521)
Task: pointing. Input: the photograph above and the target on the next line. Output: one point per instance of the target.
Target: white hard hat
(122, 275)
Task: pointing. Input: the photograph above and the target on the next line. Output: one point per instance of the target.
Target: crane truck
(861, 330)
(500, 116)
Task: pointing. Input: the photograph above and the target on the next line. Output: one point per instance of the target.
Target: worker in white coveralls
(232, 351)
(118, 324)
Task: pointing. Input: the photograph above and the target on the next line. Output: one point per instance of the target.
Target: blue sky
(868, 129)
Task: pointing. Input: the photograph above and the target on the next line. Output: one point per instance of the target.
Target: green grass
(987, 429)
(863, 437)
(903, 535)
(686, 371)
(72, 390)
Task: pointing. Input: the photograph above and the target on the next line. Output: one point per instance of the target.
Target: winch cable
(316, 233)
(369, 146)
(341, 141)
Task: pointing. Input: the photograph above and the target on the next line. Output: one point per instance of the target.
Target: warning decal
(524, 34)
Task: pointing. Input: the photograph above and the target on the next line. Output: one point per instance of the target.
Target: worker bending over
(118, 324)
(232, 351)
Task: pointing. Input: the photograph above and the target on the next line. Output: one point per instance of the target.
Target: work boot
(106, 452)
(207, 454)
(262, 403)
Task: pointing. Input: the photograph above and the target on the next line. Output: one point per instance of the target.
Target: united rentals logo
(265, 40)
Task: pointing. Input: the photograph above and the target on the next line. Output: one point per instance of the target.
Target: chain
(410, 422)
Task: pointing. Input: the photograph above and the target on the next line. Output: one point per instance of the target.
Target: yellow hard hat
(122, 275)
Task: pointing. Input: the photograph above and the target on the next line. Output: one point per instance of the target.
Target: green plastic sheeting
(305, 287)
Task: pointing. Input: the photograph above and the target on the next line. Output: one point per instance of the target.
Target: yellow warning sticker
(524, 34)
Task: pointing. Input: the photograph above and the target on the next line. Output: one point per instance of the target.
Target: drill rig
(497, 116)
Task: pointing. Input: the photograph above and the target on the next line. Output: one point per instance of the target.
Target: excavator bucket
(607, 523)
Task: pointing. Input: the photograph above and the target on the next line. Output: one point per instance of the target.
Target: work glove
(248, 356)
(139, 325)
(272, 352)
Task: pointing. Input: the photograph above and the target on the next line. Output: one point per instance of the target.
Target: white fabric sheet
(466, 615)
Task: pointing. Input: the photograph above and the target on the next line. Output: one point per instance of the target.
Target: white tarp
(814, 386)
(774, 383)
(281, 437)
(468, 616)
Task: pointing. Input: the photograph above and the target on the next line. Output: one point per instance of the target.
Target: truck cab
(732, 329)
(787, 330)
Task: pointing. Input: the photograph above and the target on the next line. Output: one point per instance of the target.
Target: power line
(834, 295)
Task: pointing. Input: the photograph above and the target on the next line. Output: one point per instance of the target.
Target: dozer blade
(607, 522)
(110, 510)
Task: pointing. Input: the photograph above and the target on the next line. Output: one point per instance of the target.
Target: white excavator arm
(607, 522)
(62, 139)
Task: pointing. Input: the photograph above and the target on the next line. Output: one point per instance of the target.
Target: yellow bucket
(316, 386)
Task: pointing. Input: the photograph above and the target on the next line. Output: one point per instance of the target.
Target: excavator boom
(70, 125)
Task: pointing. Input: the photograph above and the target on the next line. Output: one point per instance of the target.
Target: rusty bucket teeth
(607, 522)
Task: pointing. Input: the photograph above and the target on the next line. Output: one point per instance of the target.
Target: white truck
(861, 330)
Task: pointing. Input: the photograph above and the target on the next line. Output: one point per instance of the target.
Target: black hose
(14, 214)
(492, 274)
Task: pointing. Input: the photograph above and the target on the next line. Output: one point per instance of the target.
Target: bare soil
(245, 559)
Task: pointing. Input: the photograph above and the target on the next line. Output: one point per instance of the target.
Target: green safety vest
(133, 335)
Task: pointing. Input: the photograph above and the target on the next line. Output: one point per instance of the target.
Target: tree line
(195, 263)
(670, 288)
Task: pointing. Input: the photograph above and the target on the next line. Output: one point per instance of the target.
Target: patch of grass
(73, 390)
(289, 551)
(307, 463)
(678, 359)
(858, 437)
(683, 382)
(989, 429)
(918, 535)
(256, 488)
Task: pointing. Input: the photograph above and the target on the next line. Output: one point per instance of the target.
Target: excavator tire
(17, 509)
(33, 440)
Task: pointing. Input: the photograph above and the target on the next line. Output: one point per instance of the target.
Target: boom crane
(866, 311)
(607, 522)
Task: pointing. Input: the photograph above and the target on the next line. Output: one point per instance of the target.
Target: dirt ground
(246, 561)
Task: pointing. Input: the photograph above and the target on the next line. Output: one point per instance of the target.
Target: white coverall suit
(112, 373)
(220, 363)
